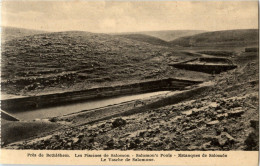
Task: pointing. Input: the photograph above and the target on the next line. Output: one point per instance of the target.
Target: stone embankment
(206, 65)
(33, 102)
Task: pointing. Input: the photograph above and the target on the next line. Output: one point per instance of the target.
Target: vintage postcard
(129, 82)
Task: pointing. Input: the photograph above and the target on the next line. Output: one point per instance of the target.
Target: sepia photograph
(130, 76)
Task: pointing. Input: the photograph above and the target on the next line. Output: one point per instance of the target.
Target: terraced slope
(77, 60)
(220, 38)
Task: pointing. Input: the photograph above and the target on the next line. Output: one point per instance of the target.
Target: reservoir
(54, 111)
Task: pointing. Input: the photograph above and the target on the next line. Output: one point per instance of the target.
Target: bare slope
(9, 33)
(220, 38)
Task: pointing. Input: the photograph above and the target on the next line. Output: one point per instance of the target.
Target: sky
(130, 16)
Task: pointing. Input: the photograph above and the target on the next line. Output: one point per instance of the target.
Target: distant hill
(170, 35)
(145, 38)
(9, 33)
(219, 38)
(166, 35)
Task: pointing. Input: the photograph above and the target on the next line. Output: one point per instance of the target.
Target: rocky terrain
(224, 117)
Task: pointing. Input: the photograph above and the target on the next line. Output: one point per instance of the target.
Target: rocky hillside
(220, 38)
(75, 60)
(9, 33)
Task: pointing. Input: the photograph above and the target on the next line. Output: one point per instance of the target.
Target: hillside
(220, 38)
(9, 33)
(145, 38)
(76, 60)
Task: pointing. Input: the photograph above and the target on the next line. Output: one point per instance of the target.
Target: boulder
(119, 122)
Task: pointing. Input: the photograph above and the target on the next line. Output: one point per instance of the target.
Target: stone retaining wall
(33, 102)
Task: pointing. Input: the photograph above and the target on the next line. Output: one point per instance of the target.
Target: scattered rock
(69, 144)
(190, 127)
(103, 125)
(91, 140)
(206, 145)
(75, 140)
(187, 113)
(138, 140)
(118, 122)
(132, 145)
(237, 112)
(81, 135)
(212, 123)
(192, 112)
(110, 144)
(225, 139)
(213, 105)
(54, 119)
(177, 118)
(254, 124)
(222, 116)
(252, 142)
